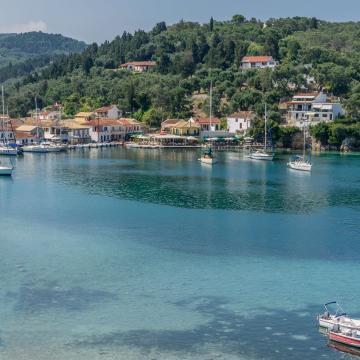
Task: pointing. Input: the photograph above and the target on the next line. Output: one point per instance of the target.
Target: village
(106, 125)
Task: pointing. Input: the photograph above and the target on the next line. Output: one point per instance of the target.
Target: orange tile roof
(139, 63)
(204, 121)
(254, 59)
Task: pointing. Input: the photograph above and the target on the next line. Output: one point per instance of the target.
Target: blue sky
(92, 20)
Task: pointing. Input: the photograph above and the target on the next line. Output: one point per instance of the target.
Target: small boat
(6, 170)
(346, 337)
(338, 317)
(208, 157)
(299, 163)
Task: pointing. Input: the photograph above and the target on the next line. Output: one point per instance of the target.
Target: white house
(106, 130)
(108, 112)
(33, 130)
(138, 66)
(312, 108)
(257, 62)
(240, 122)
(56, 133)
(25, 138)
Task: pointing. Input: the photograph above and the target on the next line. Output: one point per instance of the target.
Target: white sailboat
(208, 157)
(263, 154)
(299, 162)
(5, 148)
(41, 147)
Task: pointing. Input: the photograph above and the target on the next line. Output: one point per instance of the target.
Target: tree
(238, 19)
(211, 25)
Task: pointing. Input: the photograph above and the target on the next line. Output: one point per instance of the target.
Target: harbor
(136, 251)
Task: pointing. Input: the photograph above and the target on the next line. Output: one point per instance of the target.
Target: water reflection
(176, 178)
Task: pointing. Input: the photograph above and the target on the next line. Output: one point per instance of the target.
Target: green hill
(188, 55)
(22, 53)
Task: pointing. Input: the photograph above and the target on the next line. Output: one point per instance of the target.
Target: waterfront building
(312, 108)
(83, 116)
(240, 122)
(108, 112)
(138, 66)
(25, 138)
(31, 130)
(56, 132)
(77, 133)
(186, 128)
(6, 135)
(167, 125)
(102, 130)
(257, 62)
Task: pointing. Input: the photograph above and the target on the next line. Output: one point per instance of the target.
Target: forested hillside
(188, 55)
(22, 53)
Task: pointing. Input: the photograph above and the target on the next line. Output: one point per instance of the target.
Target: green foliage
(185, 53)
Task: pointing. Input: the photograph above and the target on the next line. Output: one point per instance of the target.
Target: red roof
(24, 135)
(307, 94)
(103, 109)
(255, 59)
(139, 63)
(206, 121)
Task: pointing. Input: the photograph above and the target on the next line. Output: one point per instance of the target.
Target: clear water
(147, 254)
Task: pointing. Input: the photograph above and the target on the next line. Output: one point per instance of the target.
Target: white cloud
(21, 28)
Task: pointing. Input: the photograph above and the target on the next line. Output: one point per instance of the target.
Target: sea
(148, 254)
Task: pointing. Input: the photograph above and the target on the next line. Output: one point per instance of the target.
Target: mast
(211, 90)
(304, 150)
(265, 144)
(3, 112)
(37, 119)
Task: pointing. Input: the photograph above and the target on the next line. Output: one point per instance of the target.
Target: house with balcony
(108, 112)
(138, 66)
(77, 133)
(185, 128)
(104, 130)
(240, 122)
(258, 62)
(312, 108)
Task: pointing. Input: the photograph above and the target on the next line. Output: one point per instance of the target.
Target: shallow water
(114, 254)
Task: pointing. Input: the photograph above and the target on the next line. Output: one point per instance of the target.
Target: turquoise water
(147, 254)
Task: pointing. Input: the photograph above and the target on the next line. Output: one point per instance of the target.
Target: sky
(97, 21)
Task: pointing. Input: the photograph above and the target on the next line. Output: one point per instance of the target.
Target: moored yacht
(300, 162)
(6, 170)
(263, 154)
(208, 157)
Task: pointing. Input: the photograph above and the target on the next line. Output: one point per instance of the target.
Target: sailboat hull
(209, 161)
(8, 151)
(6, 171)
(299, 165)
(262, 156)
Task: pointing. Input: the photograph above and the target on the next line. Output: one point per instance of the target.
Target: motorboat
(6, 170)
(337, 317)
(346, 336)
(262, 155)
(208, 157)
